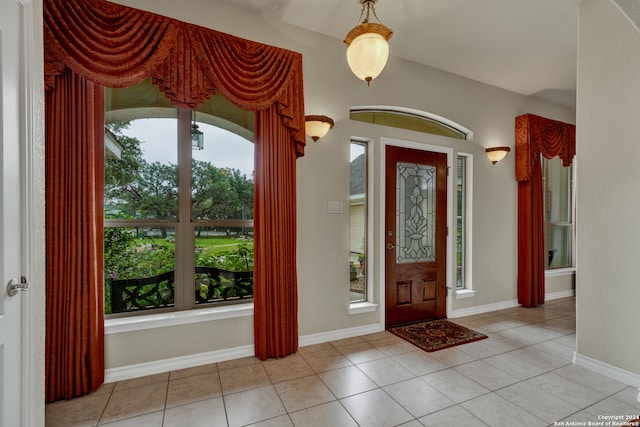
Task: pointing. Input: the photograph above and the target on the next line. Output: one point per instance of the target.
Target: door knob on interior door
(14, 286)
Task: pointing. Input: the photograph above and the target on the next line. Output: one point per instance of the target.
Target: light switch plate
(335, 207)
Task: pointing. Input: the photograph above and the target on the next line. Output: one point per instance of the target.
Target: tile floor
(521, 376)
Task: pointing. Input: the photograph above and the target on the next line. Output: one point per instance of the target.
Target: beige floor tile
(205, 413)
(302, 393)
(494, 410)
(487, 375)
(347, 381)
(142, 381)
(419, 362)
(567, 390)
(515, 366)
(452, 356)
(376, 408)
(287, 368)
(360, 352)
(136, 401)
(79, 412)
(495, 344)
(392, 345)
(590, 379)
(196, 370)
(244, 377)
(329, 414)
(237, 363)
(326, 359)
(281, 421)
(385, 371)
(346, 341)
(193, 389)
(252, 406)
(536, 401)
(309, 349)
(454, 416)
(418, 397)
(153, 419)
(454, 385)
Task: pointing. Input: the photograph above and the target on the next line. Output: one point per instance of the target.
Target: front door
(415, 235)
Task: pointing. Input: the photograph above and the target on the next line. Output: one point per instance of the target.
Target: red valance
(118, 46)
(535, 136)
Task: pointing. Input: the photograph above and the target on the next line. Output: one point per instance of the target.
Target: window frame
(466, 290)
(184, 228)
(571, 215)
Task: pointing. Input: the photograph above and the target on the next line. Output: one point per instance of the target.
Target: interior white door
(11, 108)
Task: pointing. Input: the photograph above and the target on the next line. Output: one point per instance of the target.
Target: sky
(221, 147)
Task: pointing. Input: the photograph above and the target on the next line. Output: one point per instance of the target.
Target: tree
(220, 193)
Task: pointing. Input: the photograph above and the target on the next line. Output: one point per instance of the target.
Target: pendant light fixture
(368, 49)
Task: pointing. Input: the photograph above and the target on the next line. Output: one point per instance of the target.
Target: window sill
(160, 320)
(568, 271)
(362, 307)
(465, 293)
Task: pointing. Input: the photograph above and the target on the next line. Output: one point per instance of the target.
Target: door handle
(14, 286)
(390, 246)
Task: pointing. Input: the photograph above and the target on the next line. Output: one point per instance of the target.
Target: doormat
(436, 334)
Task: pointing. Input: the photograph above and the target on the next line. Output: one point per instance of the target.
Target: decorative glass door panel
(416, 213)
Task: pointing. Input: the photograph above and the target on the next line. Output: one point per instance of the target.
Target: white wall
(608, 325)
(323, 173)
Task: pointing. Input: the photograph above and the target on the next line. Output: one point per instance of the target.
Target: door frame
(384, 142)
(32, 184)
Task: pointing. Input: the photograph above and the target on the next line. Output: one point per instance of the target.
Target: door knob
(390, 246)
(14, 286)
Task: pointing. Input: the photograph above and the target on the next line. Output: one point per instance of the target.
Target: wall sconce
(317, 126)
(368, 49)
(495, 154)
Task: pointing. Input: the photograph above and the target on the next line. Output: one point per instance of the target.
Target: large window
(358, 215)
(558, 203)
(178, 214)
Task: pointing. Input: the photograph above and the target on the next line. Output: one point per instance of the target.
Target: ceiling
(525, 46)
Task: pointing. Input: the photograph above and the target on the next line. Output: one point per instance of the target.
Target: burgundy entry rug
(436, 334)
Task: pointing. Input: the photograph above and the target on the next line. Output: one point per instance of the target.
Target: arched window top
(408, 118)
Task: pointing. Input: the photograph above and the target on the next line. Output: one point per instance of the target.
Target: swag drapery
(92, 44)
(536, 136)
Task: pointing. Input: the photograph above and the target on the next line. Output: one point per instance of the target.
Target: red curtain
(536, 136)
(115, 46)
(275, 324)
(74, 236)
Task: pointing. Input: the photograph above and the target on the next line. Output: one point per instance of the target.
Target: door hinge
(448, 167)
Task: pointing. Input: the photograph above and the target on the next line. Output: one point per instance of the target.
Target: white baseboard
(561, 294)
(487, 308)
(128, 372)
(165, 365)
(339, 334)
(609, 371)
(479, 309)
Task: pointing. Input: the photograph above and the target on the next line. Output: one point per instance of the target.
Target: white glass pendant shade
(367, 55)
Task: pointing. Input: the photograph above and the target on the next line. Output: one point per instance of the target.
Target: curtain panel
(90, 44)
(74, 234)
(536, 136)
